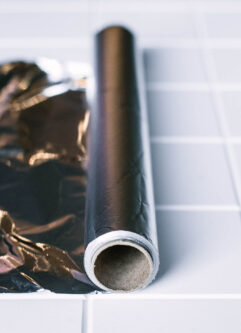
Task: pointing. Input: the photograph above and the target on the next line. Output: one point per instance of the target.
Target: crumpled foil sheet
(43, 127)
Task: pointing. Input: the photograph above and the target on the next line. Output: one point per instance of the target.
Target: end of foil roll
(121, 261)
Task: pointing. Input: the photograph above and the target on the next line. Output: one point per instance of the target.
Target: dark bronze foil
(43, 126)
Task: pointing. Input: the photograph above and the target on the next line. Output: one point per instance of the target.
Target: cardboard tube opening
(123, 267)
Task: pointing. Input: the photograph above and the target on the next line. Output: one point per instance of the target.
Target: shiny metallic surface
(119, 195)
(69, 190)
(43, 127)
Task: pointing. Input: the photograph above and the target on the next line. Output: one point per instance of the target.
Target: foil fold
(43, 128)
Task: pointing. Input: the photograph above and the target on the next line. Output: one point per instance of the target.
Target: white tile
(41, 315)
(24, 2)
(194, 174)
(153, 24)
(224, 25)
(173, 65)
(200, 252)
(228, 64)
(177, 113)
(232, 105)
(166, 316)
(236, 149)
(45, 24)
(78, 54)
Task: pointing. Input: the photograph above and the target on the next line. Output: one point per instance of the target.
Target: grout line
(215, 7)
(175, 296)
(219, 109)
(44, 42)
(190, 43)
(82, 7)
(89, 315)
(84, 319)
(177, 86)
(195, 140)
(186, 140)
(193, 86)
(89, 298)
(145, 40)
(41, 295)
(199, 208)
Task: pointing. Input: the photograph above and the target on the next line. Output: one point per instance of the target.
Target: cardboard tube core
(123, 266)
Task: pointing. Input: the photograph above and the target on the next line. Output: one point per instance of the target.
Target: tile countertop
(192, 52)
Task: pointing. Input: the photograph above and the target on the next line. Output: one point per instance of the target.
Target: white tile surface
(228, 64)
(46, 50)
(232, 105)
(41, 315)
(154, 24)
(199, 253)
(181, 113)
(166, 316)
(224, 25)
(237, 154)
(191, 174)
(43, 24)
(173, 65)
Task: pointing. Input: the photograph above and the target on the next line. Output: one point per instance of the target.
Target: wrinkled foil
(43, 128)
(54, 224)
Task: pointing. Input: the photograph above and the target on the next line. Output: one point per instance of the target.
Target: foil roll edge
(115, 236)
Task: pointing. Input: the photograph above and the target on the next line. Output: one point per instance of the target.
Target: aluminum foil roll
(121, 251)
(76, 215)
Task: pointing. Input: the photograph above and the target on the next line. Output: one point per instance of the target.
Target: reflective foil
(76, 201)
(121, 226)
(43, 127)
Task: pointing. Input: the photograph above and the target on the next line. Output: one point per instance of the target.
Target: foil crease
(43, 129)
(53, 221)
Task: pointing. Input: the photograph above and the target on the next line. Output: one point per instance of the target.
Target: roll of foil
(76, 200)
